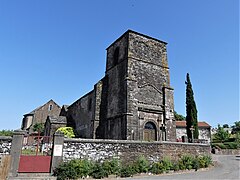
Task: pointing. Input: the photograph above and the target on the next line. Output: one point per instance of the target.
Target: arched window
(115, 56)
(150, 132)
(149, 125)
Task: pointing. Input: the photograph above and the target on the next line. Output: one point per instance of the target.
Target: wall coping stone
(19, 132)
(80, 140)
(5, 138)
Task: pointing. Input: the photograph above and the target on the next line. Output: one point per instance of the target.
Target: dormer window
(115, 56)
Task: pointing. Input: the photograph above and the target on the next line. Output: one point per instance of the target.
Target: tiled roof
(183, 124)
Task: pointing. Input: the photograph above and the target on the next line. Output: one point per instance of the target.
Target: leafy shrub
(66, 170)
(221, 135)
(175, 166)
(201, 162)
(219, 145)
(112, 166)
(232, 138)
(167, 163)
(67, 131)
(237, 138)
(231, 145)
(73, 169)
(195, 163)
(98, 171)
(226, 145)
(84, 167)
(164, 165)
(204, 161)
(76, 169)
(181, 165)
(186, 161)
(127, 171)
(208, 160)
(157, 168)
(141, 165)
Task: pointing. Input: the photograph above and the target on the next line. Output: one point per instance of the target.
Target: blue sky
(56, 50)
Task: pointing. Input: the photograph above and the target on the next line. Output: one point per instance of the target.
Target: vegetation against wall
(75, 169)
(224, 140)
(236, 127)
(191, 111)
(67, 131)
(221, 135)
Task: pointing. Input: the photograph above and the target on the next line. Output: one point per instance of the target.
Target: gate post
(57, 151)
(15, 152)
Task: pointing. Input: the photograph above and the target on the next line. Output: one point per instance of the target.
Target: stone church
(134, 100)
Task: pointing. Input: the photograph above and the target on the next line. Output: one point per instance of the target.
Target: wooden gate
(36, 154)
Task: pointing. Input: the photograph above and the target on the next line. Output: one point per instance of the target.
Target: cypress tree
(191, 110)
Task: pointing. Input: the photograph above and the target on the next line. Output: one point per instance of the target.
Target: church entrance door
(150, 133)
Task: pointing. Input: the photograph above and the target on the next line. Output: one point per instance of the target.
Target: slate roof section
(33, 112)
(57, 120)
(65, 107)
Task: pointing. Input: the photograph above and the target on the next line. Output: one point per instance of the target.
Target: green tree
(39, 127)
(221, 135)
(237, 139)
(191, 109)
(225, 126)
(236, 127)
(179, 117)
(6, 132)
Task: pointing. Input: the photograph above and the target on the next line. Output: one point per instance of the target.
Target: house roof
(57, 120)
(200, 124)
(33, 112)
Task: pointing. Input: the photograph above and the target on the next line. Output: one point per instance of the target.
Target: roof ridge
(33, 111)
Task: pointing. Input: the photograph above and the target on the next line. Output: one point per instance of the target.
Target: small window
(115, 56)
(50, 107)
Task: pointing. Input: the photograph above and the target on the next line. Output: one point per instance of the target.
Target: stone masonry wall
(128, 151)
(227, 151)
(149, 86)
(5, 145)
(82, 112)
(204, 133)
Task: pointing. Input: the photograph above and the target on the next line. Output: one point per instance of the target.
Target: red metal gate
(36, 154)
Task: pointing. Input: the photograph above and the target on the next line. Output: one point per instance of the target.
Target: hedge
(76, 169)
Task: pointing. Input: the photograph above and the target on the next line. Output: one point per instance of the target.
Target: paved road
(228, 168)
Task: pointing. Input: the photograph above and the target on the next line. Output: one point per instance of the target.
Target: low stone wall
(128, 151)
(227, 151)
(5, 145)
